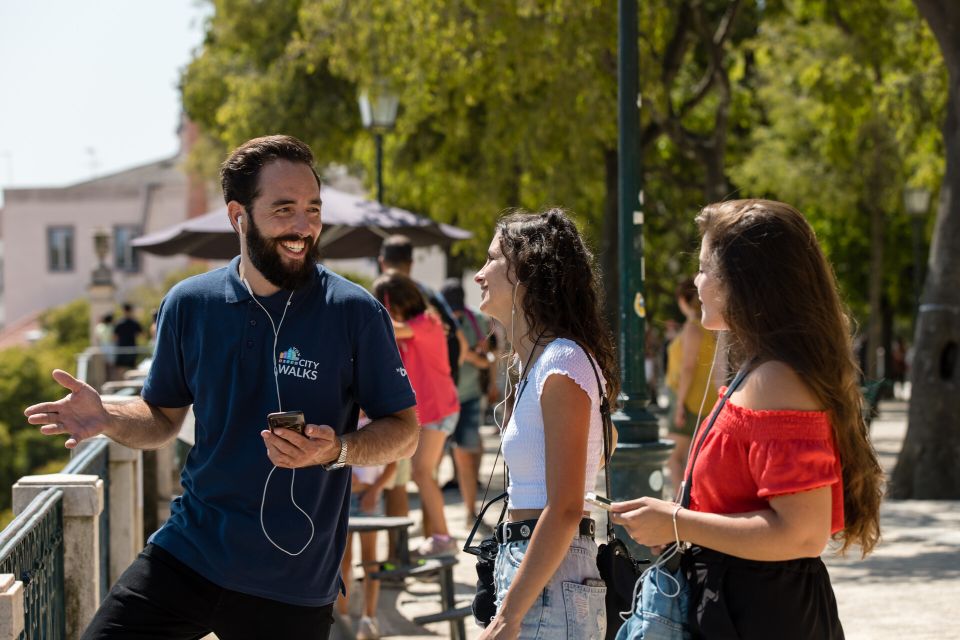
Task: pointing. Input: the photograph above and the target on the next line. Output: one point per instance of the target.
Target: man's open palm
(80, 414)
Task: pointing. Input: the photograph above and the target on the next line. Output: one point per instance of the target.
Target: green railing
(31, 548)
(93, 459)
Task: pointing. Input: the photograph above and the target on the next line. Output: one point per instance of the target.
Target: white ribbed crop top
(523, 437)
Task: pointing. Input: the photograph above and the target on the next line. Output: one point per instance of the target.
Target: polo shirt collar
(235, 291)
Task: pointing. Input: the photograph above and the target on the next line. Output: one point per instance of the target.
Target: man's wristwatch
(341, 460)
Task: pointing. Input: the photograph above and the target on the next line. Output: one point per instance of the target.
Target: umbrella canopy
(353, 227)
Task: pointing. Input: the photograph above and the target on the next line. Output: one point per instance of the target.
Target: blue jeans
(467, 434)
(660, 612)
(571, 606)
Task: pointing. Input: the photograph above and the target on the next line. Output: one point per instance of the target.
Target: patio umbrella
(353, 227)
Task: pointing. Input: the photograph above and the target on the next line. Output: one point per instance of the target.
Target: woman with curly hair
(539, 281)
(787, 463)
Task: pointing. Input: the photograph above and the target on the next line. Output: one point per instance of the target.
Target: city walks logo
(291, 363)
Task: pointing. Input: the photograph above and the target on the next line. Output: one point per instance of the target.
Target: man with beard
(241, 556)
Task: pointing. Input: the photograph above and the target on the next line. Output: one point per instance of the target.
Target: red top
(425, 359)
(751, 456)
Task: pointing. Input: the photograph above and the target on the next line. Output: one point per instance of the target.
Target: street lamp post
(916, 201)
(101, 292)
(378, 111)
(636, 469)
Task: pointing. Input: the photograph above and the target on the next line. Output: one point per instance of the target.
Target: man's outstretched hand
(80, 414)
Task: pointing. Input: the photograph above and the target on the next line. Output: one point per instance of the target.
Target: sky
(89, 87)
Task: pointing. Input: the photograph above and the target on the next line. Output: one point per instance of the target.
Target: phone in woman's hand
(598, 501)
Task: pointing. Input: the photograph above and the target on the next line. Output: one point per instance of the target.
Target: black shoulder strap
(607, 433)
(688, 480)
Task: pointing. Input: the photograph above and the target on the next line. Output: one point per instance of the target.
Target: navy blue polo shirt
(335, 353)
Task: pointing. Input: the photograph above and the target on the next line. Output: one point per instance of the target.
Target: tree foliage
(852, 94)
(504, 103)
(25, 380)
(512, 103)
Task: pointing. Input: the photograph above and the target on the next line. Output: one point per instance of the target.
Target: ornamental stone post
(11, 607)
(126, 507)
(82, 504)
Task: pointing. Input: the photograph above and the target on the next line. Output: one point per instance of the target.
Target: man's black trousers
(160, 597)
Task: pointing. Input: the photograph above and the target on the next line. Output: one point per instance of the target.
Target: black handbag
(484, 606)
(618, 569)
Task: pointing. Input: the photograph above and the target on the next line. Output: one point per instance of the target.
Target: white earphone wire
(276, 380)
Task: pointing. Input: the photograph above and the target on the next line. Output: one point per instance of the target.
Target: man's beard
(265, 256)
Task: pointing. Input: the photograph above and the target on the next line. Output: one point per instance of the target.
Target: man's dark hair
(127, 307)
(240, 173)
(397, 249)
(452, 292)
(400, 295)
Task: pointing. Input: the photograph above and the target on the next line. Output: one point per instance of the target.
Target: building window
(60, 248)
(126, 257)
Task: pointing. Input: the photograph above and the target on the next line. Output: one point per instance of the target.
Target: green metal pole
(636, 469)
(378, 138)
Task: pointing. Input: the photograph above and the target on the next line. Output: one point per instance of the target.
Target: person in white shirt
(539, 281)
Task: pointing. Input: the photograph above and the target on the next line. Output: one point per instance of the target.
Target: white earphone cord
(507, 387)
(658, 565)
(293, 475)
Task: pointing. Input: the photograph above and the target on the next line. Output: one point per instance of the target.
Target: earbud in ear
(240, 223)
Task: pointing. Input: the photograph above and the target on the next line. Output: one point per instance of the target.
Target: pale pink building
(47, 235)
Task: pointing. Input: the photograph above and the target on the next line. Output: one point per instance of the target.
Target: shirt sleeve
(784, 466)
(569, 360)
(382, 383)
(166, 385)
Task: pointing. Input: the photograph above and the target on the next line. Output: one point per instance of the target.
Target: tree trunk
(927, 466)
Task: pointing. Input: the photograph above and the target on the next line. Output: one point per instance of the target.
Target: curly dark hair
(782, 303)
(563, 294)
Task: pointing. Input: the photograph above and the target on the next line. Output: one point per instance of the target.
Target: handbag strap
(688, 480)
(468, 544)
(607, 434)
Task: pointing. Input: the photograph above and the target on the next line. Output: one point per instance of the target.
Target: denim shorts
(444, 425)
(467, 434)
(661, 608)
(355, 506)
(571, 606)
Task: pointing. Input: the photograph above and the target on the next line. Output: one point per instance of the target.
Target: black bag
(484, 601)
(617, 567)
(620, 573)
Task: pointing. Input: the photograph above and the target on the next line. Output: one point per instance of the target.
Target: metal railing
(31, 548)
(92, 458)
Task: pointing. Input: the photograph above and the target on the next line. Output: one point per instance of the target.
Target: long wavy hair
(782, 303)
(563, 296)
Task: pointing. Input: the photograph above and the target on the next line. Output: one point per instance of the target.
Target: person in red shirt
(787, 465)
(423, 349)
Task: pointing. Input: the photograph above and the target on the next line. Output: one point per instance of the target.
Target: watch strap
(341, 460)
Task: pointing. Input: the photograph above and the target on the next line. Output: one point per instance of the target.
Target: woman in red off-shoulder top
(787, 464)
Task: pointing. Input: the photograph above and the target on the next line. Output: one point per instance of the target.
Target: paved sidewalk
(908, 588)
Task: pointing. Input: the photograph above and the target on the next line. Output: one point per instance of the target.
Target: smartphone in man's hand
(292, 420)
